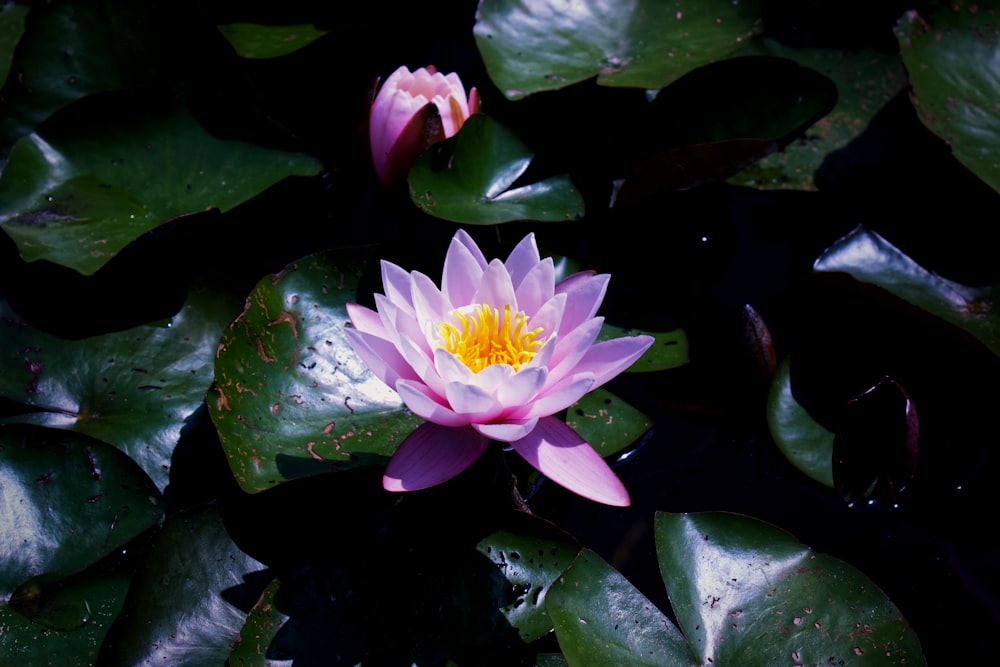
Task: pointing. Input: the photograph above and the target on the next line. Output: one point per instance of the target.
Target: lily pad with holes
(291, 398)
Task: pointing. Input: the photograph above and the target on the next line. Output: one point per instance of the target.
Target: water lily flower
(411, 111)
(493, 354)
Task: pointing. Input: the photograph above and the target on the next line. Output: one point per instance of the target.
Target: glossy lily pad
(746, 592)
(253, 646)
(607, 422)
(132, 389)
(535, 45)
(949, 51)
(291, 397)
(189, 597)
(110, 168)
(806, 443)
(602, 619)
(93, 600)
(531, 560)
(866, 80)
(871, 259)
(471, 177)
(252, 40)
(66, 501)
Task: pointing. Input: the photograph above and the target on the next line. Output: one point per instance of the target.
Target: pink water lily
(411, 111)
(493, 354)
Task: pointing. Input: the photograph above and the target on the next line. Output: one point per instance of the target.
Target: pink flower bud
(412, 111)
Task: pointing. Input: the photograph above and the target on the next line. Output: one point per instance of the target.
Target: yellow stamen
(488, 338)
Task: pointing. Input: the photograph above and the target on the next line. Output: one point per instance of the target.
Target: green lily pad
(291, 397)
(252, 40)
(106, 170)
(12, 17)
(869, 258)
(262, 625)
(866, 80)
(468, 178)
(94, 599)
(949, 51)
(602, 619)
(185, 604)
(534, 45)
(718, 119)
(74, 48)
(669, 348)
(132, 389)
(607, 422)
(805, 442)
(745, 592)
(531, 561)
(66, 501)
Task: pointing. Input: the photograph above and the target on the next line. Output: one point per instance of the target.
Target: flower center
(488, 337)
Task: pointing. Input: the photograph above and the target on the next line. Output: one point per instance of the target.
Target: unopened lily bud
(411, 111)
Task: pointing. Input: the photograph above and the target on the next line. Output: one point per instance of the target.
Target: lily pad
(12, 16)
(746, 592)
(468, 178)
(871, 259)
(607, 422)
(602, 619)
(252, 40)
(291, 397)
(531, 560)
(949, 51)
(534, 45)
(189, 597)
(110, 168)
(74, 48)
(669, 348)
(253, 646)
(133, 389)
(94, 599)
(866, 80)
(66, 501)
(806, 443)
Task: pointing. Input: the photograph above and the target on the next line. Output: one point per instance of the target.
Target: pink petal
(496, 288)
(381, 357)
(463, 269)
(537, 286)
(365, 319)
(523, 386)
(572, 348)
(549, 316)
(450, 368)
(425, 404)
(429, 304)
(584, 293)
(396, 286)
(522, 259)
(610, 357)
(559, 396)
(397, 323)
(560, 454)
(507, 431)
(432, 454)
(472, 402)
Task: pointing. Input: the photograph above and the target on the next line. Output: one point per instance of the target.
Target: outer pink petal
(584, 291)
(522, 259)
(463, 269)
(396, 286)
(365, 319)
(572, 348)
(429, 304)
(432, 454)
(560, 454)
(507, 431)
(423, 403)
(609, 358)
(381, 357)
